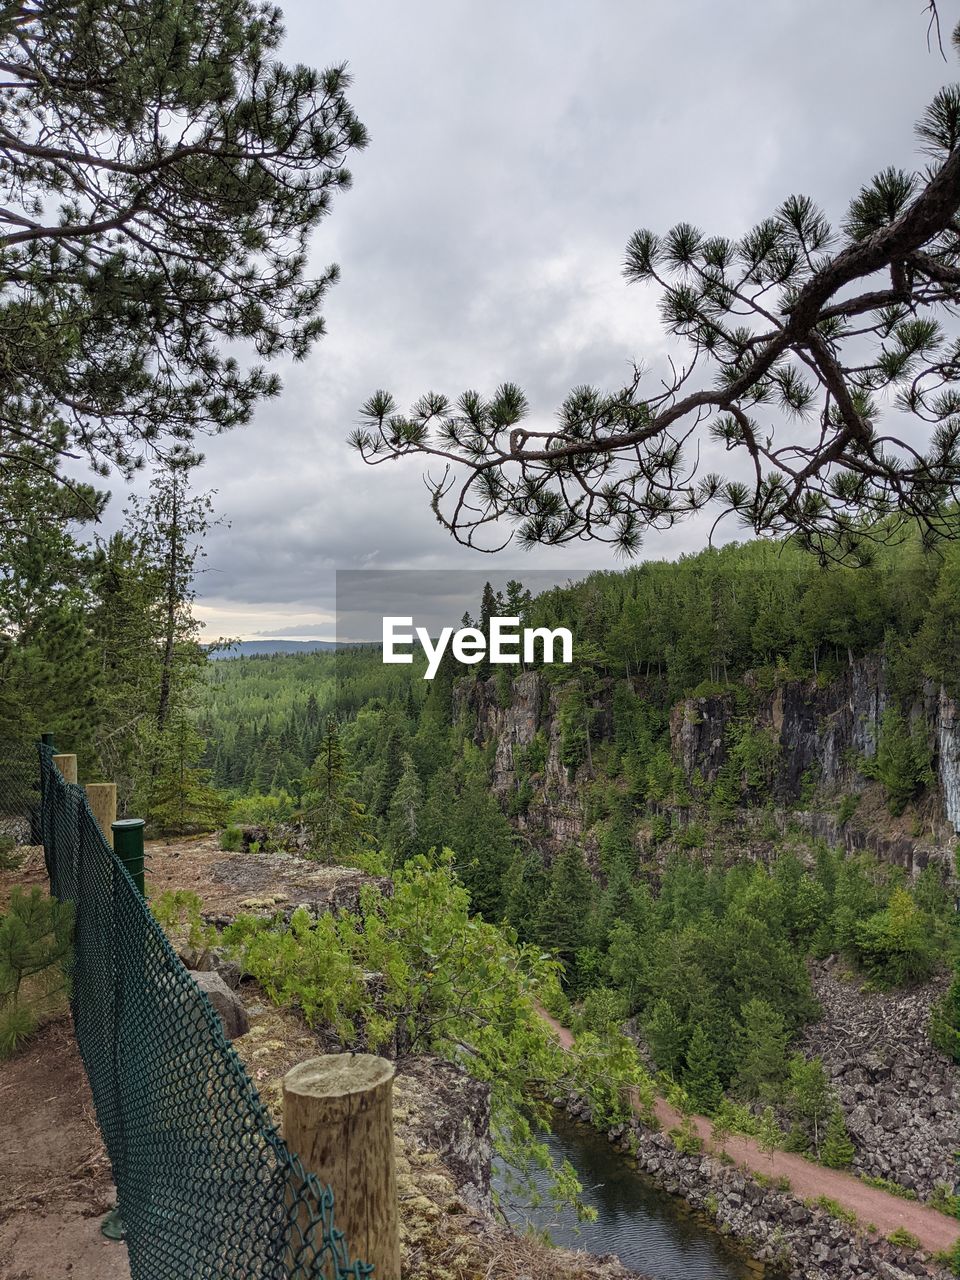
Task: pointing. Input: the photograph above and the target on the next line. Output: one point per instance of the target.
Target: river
(650, 1231)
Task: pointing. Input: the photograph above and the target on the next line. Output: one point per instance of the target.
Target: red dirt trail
(936, 1231)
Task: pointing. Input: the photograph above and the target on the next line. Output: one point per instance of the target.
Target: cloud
(514, 150)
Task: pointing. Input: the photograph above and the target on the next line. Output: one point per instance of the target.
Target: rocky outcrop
(822, 731)
(948, 756)
(455, 1124)
(555, 814)
(900, 1095)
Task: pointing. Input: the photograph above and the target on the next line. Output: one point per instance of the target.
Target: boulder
(227, 1005)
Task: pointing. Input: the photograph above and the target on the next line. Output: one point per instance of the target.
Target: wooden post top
(343, 1083)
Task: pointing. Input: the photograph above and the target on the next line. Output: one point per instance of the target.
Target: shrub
(231, 839)
(945, 1201)
(834, 1208)
(904, 1239)
(10, 856)
(687, 1141)
(897, 945)
(35, 940)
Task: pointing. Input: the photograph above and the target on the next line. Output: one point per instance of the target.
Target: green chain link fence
(206, 1188)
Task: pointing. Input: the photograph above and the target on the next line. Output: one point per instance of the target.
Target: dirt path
(55, 1181)
(808, 1181)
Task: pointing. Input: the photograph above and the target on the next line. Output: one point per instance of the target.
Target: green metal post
(128, 846)
(47, 739)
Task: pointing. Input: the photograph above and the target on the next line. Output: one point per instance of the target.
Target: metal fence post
(128, 846)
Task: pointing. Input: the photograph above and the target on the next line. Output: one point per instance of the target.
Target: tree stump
(338, 1118)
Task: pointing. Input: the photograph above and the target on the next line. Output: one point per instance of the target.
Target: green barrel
(128, 846)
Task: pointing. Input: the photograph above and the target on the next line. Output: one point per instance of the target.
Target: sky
(515, 146)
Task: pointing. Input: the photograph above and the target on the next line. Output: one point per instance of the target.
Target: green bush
(904, 1239)
(901, 764)
(10, 857)
(35, 940)
(231, 839)
(260, 811)
(897, 945)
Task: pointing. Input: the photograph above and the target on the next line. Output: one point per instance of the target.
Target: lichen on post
(338, 1119)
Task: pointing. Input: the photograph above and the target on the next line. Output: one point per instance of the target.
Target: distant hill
(262, 648)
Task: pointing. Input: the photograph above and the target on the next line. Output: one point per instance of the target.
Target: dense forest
(648, 907)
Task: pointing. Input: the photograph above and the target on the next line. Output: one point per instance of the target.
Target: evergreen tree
(482, 840)
(187, 244)
(666, 1035)
(336, 821)
(837, 1151)
(785, 324)
(700, 1078)
(808, 1097)
(391, 767)
(769, 1134)
(902, 762)
(402, 836)
(945, 1020)
(564, 915)
(179, 795)
(761, 1049)
(35, 938)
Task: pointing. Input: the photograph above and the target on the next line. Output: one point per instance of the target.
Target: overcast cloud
(515, 147)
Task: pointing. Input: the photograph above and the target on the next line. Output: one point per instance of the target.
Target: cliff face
(819, 729)
(556, 810)
(822, 731)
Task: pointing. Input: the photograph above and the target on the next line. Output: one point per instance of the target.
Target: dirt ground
(55, 1184)
(228, 884)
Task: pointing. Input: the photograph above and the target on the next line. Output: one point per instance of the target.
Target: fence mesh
(206, 1188)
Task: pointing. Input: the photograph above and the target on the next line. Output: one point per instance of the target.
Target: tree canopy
(162, 171)
(819, 358)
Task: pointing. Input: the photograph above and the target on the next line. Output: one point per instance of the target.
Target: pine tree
(761, 1049)
(769, 1133)
(151, 328)
(837, 1151)
(701, 1079)
(667, 1037)
(336, 821)
(35, 939)
(901, 762)
(483, 841)
(391, 767)
(809, 1097)
(179, 796)
(402, 837)
(489, 608)
(564, 916)
(782, 320)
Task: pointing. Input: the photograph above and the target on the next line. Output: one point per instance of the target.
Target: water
(650, 1231)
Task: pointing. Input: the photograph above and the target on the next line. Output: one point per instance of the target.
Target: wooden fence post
(102, 799)
(67, 764)
(338, 1118)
